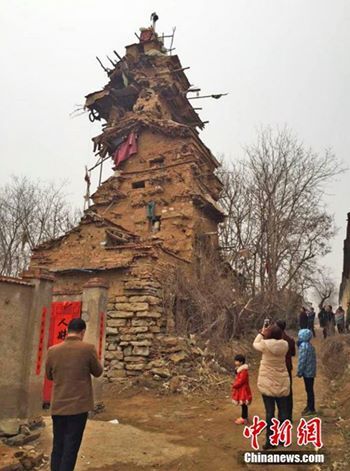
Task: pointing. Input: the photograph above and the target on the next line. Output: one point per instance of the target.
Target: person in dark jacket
(323, 320)
(70, 365)
(311, 320)
(289, 363)
(340, 319)
(331, 320)
(303, 322)
(307, 368)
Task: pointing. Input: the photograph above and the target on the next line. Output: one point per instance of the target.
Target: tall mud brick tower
(156, 212)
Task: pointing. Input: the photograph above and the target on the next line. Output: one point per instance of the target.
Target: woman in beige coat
(273, 378)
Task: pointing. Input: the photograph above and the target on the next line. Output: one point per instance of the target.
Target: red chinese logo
(310, 432)
(254, 430)
(281, 432)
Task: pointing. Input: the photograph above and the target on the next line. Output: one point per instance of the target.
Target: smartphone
(266, 322)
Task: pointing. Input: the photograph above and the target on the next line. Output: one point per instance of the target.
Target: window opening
(157, 162)
(140, 184)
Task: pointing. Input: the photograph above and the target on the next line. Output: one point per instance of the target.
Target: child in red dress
(241, 393)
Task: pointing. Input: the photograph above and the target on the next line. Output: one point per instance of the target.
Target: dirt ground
(175, 432)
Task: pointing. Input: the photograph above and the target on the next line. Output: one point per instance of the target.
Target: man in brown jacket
(70, 366)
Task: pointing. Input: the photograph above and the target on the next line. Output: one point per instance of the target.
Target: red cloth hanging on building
(126, 149)
(147, 35)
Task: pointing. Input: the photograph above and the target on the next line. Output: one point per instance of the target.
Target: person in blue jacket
(307, 368)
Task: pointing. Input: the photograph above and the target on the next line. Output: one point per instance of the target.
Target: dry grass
(336, 356)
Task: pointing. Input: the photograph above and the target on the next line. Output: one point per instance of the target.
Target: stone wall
(134, 321)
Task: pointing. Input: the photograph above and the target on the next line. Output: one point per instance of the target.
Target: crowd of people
(275, 378)
(330, 321)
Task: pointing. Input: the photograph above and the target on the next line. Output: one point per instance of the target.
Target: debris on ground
(18, 432)
(15, 453)
(188, 365)
(22, 458)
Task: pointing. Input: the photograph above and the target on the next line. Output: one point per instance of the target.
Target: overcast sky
(282, 62)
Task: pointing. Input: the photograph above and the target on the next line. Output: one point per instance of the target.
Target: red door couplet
(61, 314)
(101, 336)
(39, 357)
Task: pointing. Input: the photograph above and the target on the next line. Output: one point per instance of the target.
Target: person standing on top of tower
(154, 19)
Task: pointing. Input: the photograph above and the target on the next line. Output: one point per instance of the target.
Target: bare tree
(209, 301)
(324, 285)
(239, 235)
(30, 213)
(277, 224)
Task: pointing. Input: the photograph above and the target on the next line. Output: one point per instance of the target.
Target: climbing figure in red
(241, 393)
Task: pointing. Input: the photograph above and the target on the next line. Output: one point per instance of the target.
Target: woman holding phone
(273, 377)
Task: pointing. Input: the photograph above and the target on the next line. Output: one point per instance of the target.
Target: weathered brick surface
(120, 314)
(131, 329)
(116, 322)
(132, 307)
(140, 322)
(152, 314)
(145, 299)
(135, 359)
(135, 366)
(144, 351)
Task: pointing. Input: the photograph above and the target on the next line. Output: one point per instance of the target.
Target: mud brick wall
(24, 316)
(134, 321)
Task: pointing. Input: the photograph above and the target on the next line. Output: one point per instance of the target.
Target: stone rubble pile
(183, 366)
(137, 343)
(18, 433)
(22, 458)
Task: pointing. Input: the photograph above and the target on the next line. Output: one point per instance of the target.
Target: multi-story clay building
(156, 211)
